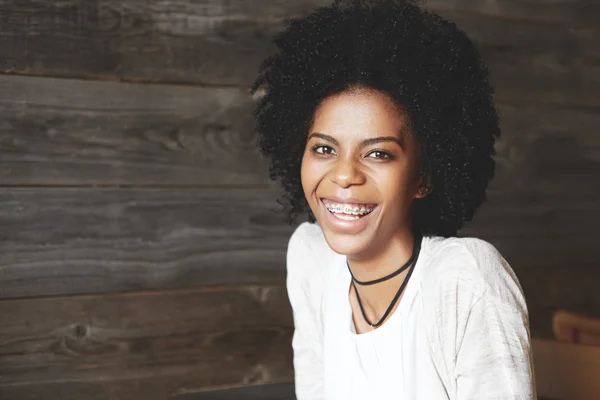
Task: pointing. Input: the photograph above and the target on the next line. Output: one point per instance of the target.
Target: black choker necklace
(393, 274)
(411, 261)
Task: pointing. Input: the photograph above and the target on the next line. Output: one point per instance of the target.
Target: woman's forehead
(355, 116)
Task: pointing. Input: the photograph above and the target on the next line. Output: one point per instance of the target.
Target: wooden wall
(140, 254)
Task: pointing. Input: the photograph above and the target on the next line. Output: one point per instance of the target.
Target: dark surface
(77, 240)
(72, 132)
(144, 345)
(274, 391)
(543, 52)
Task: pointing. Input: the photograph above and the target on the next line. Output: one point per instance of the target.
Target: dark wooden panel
(65, 241)
(70, 132)
(546, 151)
(211, 41)
(216, 42)
(569, 12)
(540, 230)
(272, 391)
(558, 44)
(151, 345)
(536, 62)
(529, 79)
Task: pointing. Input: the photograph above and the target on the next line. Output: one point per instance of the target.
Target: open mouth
(348, 211)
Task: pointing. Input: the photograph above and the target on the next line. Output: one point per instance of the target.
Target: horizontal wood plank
(71, 132)
(271, 391)
(222, 43)
(153, 345)
(567, 12)
(175, 41)
(544, 151)
(551, 226)
(66, 241)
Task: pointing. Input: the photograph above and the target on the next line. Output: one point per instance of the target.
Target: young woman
(379, 121)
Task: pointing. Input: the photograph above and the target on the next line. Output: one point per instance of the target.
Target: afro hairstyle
(424, 62)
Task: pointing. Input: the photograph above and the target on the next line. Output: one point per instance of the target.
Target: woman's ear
(424, 187)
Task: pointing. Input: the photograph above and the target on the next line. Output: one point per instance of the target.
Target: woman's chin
(346, 244)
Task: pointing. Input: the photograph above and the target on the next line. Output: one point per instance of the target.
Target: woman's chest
(386, 364)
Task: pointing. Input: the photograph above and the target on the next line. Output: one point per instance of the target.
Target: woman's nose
(346, 173)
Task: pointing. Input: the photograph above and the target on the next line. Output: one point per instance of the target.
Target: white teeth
(348, 209)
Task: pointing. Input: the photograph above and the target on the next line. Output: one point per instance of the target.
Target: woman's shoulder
(308, 237)
(308, 254)
(309, 261)
(473, 265)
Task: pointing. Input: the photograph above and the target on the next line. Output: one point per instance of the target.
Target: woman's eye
(323, 149)
(379, 154)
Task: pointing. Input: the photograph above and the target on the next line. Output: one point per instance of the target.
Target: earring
(423, 190)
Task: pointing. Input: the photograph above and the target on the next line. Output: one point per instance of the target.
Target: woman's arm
(494, 358)
(304, 285)
(478, 325)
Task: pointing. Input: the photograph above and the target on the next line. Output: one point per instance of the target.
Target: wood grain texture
(151, 345)
(548, 151)
(70, 132)
(68, 241)
(539, 230)
(216, 42)
(568, 12)
(176, 41)
(271, 391)
(540, 63)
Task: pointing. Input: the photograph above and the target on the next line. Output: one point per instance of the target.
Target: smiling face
(359, 172)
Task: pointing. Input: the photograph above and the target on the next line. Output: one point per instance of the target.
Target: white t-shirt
(460, 331)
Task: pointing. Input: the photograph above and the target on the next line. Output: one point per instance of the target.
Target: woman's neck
(383, 261)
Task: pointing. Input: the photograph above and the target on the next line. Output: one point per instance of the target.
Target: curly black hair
(424, 62)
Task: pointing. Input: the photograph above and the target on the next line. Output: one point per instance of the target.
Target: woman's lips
(351, 201)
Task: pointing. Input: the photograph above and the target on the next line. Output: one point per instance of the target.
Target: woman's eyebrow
(364, 143)
(324, 137)
(381, 139)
